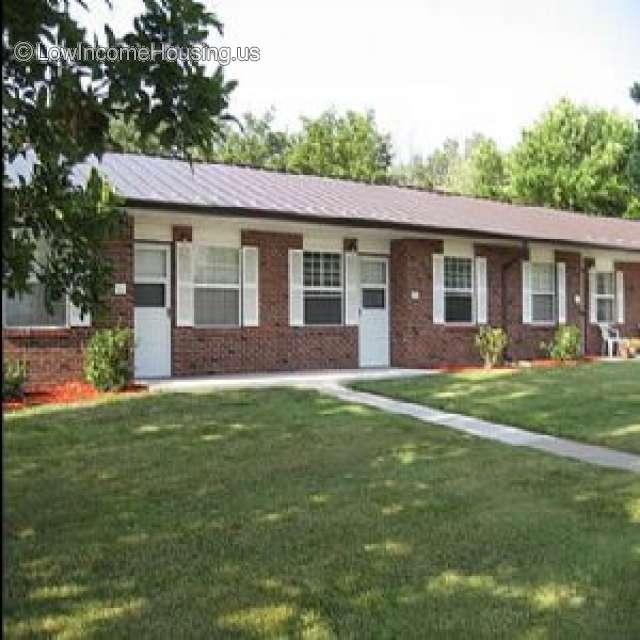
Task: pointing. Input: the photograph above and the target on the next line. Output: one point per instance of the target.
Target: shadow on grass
(282, 513)
(596, 403)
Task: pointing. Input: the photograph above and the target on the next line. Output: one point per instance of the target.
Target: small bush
(107, 358)
(14, 376)
(565, 344)
(491, 343)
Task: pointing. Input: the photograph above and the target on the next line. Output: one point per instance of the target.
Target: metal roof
(165, 183)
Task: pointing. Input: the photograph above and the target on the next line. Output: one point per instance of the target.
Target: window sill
(36, 332)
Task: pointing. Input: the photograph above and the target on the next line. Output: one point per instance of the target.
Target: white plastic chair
(611, 339)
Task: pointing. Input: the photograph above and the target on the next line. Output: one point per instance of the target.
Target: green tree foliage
(59, 112)
(633, 168)
(341, 146)
(432, 172)
(255, 144)
(487, 177)
(574, 157)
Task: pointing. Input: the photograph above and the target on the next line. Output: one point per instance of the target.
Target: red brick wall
(56, 355)
(417, 342)
(274, 345)
(631, 326)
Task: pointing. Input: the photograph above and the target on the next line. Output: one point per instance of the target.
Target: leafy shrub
(14, 375)
(491, 343)
(107, 359)
(565, 344)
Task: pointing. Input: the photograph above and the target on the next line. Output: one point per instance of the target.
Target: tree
(256, 144)
(633, 168)
(348, 146)
(575, 158)
(57, 112)
(487, 177)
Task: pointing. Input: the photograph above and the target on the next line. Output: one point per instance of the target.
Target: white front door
(374, 312)
(152, 321)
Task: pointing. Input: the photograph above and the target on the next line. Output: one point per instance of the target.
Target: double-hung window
(322, 288)
(28, 310)
(458, 289)
(605, 297)
(543, 292)
(216, 286)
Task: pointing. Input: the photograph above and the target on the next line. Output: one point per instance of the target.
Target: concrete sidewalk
(514, 436)
(307, 379)
(331, 382)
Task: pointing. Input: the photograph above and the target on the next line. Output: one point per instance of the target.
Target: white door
(152, 311)
(374, 312)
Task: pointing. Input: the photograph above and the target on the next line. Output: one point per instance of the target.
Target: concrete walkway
(514, 436)
(306, 379)
(331, 382)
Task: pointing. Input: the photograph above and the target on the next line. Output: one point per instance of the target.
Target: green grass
(595, 403)
(282, 513)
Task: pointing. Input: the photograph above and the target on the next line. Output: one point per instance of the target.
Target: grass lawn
(595, 403)
(281, 513)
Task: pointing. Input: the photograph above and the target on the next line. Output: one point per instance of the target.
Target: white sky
(429, 69)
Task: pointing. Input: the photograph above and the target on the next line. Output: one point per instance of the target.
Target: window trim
(199, 285)
(333, 289)
(462, 323)
(606, 296)
(35, 327)
(544, 323)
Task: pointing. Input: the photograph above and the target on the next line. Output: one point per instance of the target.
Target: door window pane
(151, 263)
(216, 306)
(373, 272)
(373, 298)
(150, 295)
(28, 310)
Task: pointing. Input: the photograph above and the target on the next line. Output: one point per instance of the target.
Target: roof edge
(355, 222)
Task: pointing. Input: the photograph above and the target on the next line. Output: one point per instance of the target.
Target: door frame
(166, 280)
(387, 299)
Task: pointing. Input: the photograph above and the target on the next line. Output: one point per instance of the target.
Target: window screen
(28, 310)
(216, 293)
(216, 306)
(543, 292)
(322, 308)
(458, 289)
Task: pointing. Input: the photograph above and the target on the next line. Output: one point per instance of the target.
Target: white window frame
(335, 289)
(48, 327)
(459, 290)
(606, 296)
(238, 287)
(165, 280)
(554, 321)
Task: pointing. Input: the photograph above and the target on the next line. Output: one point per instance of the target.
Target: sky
(429, 69)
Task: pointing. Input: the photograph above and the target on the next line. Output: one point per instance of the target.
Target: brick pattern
(55, 356)
(417, 342)
(274, 345)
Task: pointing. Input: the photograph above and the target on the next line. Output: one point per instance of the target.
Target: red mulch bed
(65, 393)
